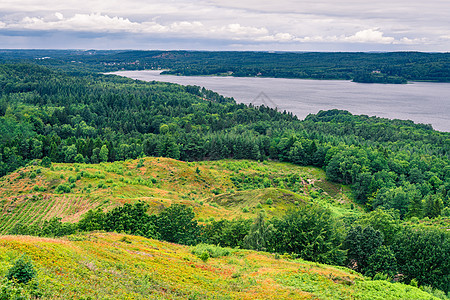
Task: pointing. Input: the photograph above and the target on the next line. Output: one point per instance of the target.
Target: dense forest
(93, 118)
(398, 170)
(394, 67)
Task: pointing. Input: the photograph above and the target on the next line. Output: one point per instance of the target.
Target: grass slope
(116, 266)
(215, 189)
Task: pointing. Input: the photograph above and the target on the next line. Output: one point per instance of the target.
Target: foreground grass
(117, 266)
(215, 189)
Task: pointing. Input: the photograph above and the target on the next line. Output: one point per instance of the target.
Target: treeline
(393, 67)
(91, 118)
(378, 77)
(374, 244)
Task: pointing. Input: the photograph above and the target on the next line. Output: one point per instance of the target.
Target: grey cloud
(294, 25)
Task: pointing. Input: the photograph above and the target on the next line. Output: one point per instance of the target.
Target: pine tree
(260, 234)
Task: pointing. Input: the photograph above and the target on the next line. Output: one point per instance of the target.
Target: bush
(414, 220)
(63, 188)
(204, 256)
(381, 276)
(210, 250)
(446, 212)
(46, 162)
(9, 290)
(22, 271)
(216, 191)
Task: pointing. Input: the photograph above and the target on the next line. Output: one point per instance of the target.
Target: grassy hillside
(215, 189)
(116, 266)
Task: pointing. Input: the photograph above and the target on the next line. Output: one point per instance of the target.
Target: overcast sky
(312, 25)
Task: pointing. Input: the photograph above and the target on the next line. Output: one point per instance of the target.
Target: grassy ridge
(117, 266)
(219, 189)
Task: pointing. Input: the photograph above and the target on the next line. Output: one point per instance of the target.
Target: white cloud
(79, 22)
(278, 37)
(104, 23)
(293, 22)
(59, 15)
(369, 36)
(408, 41)
(186, 26)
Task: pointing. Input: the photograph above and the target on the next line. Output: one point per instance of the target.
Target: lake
(421, 102)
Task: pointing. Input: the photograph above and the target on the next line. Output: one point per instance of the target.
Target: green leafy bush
(8, 290)
(63, 188)
(205, 251)
(204, 256)
(22, 271)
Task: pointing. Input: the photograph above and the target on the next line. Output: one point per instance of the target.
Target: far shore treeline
(391, 67)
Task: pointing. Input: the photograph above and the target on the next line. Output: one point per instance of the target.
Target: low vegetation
(117, 266)
(221, 190)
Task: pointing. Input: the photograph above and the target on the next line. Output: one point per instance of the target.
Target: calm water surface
(421, 102)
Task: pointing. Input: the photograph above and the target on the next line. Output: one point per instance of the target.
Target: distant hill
(397, 67)
(219, 189)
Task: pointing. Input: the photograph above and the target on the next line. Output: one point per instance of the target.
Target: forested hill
(93, 118)
(396, 169)
(392, 67)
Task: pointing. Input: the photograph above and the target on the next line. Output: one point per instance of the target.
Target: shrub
(269, 201)
(63, 188)
(216, 191)
(210, 250)
(9, 290)
(446, 212)
(22, 271)
(140, 163)
(204, 256)
(414, 220)
(381, 276)
(46, 162)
